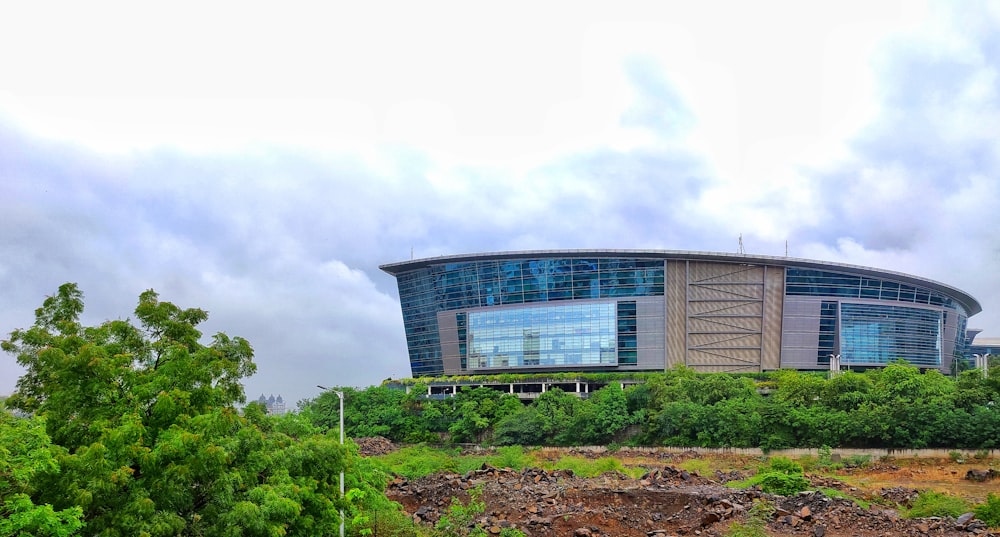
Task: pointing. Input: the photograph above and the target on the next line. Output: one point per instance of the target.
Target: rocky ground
(665, 502)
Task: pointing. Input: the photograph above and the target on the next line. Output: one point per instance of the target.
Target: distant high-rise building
(275, 405)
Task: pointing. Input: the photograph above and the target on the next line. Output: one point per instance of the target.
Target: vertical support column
(983, 363)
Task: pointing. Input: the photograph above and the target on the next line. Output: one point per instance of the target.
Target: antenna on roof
(786, 247)
(741, 251)
(411, 253)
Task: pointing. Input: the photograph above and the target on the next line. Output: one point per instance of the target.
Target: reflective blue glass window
(462, 323)
(571, 334)
(812, 282)
(870, 288)
(879, 334)
(417, 297)
(628, 353)
(890, 291)
(827, 332)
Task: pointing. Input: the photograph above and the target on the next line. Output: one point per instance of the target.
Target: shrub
(989, 512)
(808, 462)
(780, 476)
(756, 524)
(778, 483)
(511, 457)
(458, 521)
(825, 455)
(783, 465)
(859, 461)
(930, 503)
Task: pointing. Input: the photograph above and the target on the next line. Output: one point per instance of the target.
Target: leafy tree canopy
(145, 435)
(25, 452)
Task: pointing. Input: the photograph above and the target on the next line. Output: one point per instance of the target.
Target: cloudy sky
(260, 162)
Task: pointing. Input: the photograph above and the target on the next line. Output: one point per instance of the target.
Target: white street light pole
(340, 395)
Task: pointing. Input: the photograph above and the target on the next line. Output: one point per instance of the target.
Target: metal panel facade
(676, 288)
(774, 294)
(725, 316)
(800, 332)
(650, 314)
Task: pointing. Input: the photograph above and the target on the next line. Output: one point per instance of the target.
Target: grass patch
(834, 493)
(701, 466)
(512, 457)
(418, 461)
(584, 467)
(989, 512)
(930, 503)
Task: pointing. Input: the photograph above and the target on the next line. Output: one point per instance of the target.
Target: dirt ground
(672, 501)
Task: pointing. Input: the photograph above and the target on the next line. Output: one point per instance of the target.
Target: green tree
(150, 441)
(601, 416)
(713, 388)
(474, 412)
(525, 427)
(547, 421)
(26, 451)
(374, 411)
(971, 390)
(900, 384)
(798, 389)
(847, 391)
(556, 409)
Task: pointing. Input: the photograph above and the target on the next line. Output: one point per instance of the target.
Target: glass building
(617, 310)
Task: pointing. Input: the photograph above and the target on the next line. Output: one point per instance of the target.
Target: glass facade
(628, 342)
(425, 292)
(559, 335)
(878, 334)
(810, 282)
(874, 334)
(827, 342)
(416, 297)
(603, 310)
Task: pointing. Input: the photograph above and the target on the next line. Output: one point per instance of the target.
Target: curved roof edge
(970, 304)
